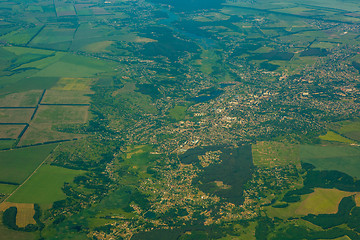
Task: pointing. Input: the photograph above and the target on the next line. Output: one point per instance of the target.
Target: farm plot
(75, 84)
(66, 97)
(15, 115)
(18, 164)
(25, 212)
(20, 36)
(341, 158)
(61, 114)
(350, 129)
(10, 131)
(272, 154)
(54, 37)
(22, 99)
(49, 179)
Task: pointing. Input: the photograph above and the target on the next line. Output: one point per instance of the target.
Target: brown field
(10, 131)
(76, 84)
(25, 212)
(66, 97)
(15, 115)
(23, 99)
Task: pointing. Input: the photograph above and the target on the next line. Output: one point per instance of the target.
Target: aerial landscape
(180, 119)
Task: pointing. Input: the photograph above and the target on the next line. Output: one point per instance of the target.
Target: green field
(66, 97)
(10, 131)
(20, 36)
(61, 114)
(18, 164)
(350, 129)
(22, 99)
(178, 113)
(15, 115)
(341, 158)
(334, 137)
(44, 187)
(45, 132)
(5, 144)
(272, 154)
(7, 188)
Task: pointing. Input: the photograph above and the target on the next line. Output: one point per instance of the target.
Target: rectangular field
(18, 164)
(61, 114)
(15, 115)
(10, 131)
(48, 179)
(21, 99)
(66, 97)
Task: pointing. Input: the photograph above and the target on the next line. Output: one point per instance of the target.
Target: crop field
(10, 131)
(66, 97)
(54, 37)
(75, 84)
(350, 129)
(15, 115)
(18, 164)
(178, 113)
(334, 137)
(98, 46)
(6, 144)
(42, 133)
(25, 212)
(341, 158)
(10, 234)
(22, 99)
(272, 154)
(61, 114)
(322, 201)
(48, 179)
(20, 36)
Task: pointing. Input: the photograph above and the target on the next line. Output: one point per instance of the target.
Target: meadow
(18, 164)
(341, 158)
(15, 115)
(48, 179)
(66, 97)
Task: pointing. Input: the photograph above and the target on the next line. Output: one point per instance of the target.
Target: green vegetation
(18, 164)
(15, 115)
(334, 137)
(61, 114)
(272, 154)
(340, 158)
(178, 113)
(49, 180)
(66, 97)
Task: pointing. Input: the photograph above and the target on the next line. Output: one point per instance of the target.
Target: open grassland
(66, 97)
(341, 158)
(322, 201)
(334, 137)
(98, 47)
(42, 133)
(54, 37)
(18, 164)
(350, 129)
(272, 154)
(6, 144)
(10, 234)
(61, 114)
(178, 113)
(7, 188)
(73, 66)
(22, 99)
(25, 212)
(10, 131)
(15, 115)
(20, 36)
(75, 84)
(44, 187)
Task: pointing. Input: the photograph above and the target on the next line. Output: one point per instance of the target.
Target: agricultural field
(273, 154)
(334, 137)
(341, 158)
(59, 114)
(25, 212)
(22, 99)
(49, 179)
(71, 97)
(350, 129)
(15, 115)
(18, 164)
(10, 131)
